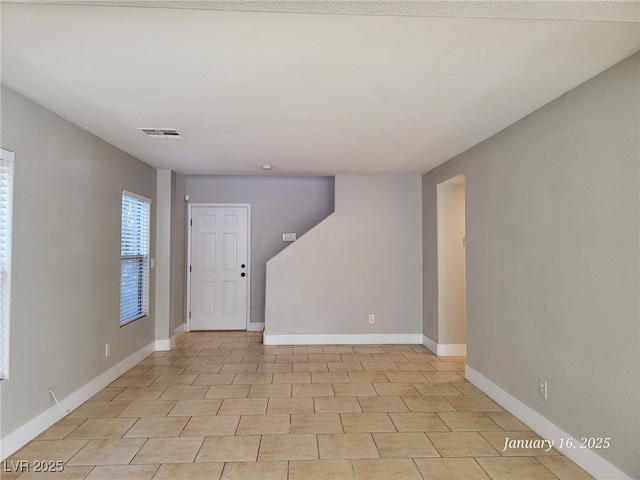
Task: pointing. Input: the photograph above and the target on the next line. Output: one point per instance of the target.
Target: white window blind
(134, 257)
(6, 220)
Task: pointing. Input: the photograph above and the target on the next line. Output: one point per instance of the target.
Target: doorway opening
(452, 305)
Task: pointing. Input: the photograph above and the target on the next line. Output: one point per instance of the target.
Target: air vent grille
(166, 133)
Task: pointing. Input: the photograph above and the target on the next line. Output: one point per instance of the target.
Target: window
(134, 257)
(6, 215)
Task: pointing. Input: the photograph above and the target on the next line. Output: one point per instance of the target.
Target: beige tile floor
(223, 406)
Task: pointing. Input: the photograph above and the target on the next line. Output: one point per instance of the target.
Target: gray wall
(178, 251)
(278, 205)
(364, 259)
(66, 257)
(553, 209)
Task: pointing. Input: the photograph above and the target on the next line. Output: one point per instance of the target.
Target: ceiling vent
(167, 133)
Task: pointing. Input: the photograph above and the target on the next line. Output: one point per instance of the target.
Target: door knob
(243, 265)
(242, 274)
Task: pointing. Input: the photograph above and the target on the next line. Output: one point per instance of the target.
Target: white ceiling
(366, 91)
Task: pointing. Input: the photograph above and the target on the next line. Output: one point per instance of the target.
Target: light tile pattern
(223, 406)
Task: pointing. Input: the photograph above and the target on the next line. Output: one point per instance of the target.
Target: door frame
(190, 207)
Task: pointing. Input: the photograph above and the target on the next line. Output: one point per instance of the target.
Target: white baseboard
(587, 459)
(430, 344)
(344, 339)
(163, 345)
(444, 349)
(182, 328)
(452, 350)
(34, 427)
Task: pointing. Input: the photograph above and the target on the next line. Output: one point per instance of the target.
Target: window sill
(131, 320)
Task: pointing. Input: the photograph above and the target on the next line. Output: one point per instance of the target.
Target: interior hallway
(222, 405)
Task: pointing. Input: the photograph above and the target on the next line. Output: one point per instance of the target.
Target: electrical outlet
(542, 388)
(372, 319)
(107, 349)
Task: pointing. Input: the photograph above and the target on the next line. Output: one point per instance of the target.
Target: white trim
(5, 316)
(587, 459)
(180, 329)
(344, 339)
(187, 310)
(7, 155)
(445, 349)
(34, 427)
(430, 344)
(165, 345)
(452, 350)
(189, 218)
(255, 327)
(137, 196)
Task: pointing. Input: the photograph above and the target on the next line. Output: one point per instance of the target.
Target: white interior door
(219, 267)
